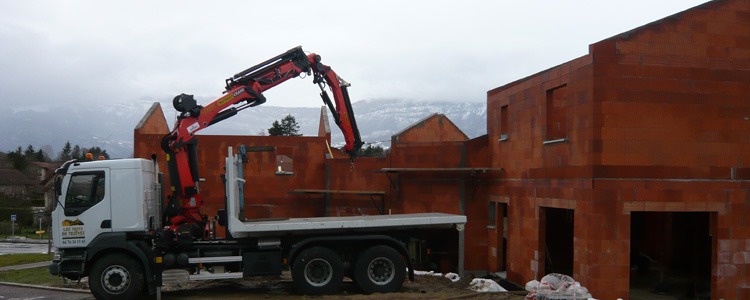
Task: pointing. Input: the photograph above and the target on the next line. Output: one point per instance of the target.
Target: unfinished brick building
(628, 167)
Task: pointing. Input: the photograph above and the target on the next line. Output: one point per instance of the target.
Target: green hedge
(24, 215)
(19, 207)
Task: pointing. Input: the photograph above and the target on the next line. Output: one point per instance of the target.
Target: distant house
(46, 183)
(14, 184)
(44, 169)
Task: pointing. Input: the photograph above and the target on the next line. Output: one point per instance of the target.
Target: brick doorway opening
(670, 255)
(556, 240)
(498, 238)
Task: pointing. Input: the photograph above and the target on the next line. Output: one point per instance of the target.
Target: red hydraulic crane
(244, 90)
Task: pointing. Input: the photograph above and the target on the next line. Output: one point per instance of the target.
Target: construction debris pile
(556, 286)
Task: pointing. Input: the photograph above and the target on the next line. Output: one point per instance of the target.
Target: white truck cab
(104, 196)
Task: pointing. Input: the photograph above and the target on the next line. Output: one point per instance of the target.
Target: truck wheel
(317, 271)
(380, 269)
(116, 276)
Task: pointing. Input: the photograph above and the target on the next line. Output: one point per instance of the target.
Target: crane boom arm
(244, 90)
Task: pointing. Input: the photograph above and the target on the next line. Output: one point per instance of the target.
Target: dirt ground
(423, 287)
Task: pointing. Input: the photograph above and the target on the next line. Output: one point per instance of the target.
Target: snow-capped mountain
(111, 127)
(379, 119)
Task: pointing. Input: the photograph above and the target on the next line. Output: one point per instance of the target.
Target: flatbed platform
(370, 222)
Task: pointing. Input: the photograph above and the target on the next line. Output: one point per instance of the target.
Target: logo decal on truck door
(73, 232)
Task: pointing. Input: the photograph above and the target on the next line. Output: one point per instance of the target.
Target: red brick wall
(447, 191)
(362, 175)
(478, 152)
(523, 155)
(436, 128)
(153, 122)
(529, 164)
(477, 204)
(673, 105)
(657, 121)
(674, 94)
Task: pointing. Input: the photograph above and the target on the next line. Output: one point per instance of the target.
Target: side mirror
(58, 190)
(58, 186)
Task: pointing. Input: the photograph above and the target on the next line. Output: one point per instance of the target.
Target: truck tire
(116, 276)
(380, 269)
(317, 271)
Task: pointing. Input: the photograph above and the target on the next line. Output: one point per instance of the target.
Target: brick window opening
(493, 214)
(284, 165)
(557, 117)
(284, 161)
(504, 123)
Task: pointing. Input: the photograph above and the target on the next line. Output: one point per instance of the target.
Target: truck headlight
(56, 256)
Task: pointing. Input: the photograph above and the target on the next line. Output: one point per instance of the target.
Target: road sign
(12, 225)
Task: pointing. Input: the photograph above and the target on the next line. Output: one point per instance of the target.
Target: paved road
(14, 248)
(30, 293)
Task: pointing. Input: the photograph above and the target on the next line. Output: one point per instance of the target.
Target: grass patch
(36, 276)
(20, 259)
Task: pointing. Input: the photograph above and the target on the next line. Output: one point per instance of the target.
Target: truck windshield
(84, 190)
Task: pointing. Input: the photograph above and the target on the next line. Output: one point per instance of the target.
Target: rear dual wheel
(317, 271)
(380, 269)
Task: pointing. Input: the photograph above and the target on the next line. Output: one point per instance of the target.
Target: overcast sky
(99, 52)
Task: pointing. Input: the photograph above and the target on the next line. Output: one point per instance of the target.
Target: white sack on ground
(485, 285)
(453, 277)
(426, 273)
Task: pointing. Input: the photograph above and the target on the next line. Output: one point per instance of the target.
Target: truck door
(86, 210)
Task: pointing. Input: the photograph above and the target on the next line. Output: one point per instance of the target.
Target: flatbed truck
(114, 224)
(115, 240)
